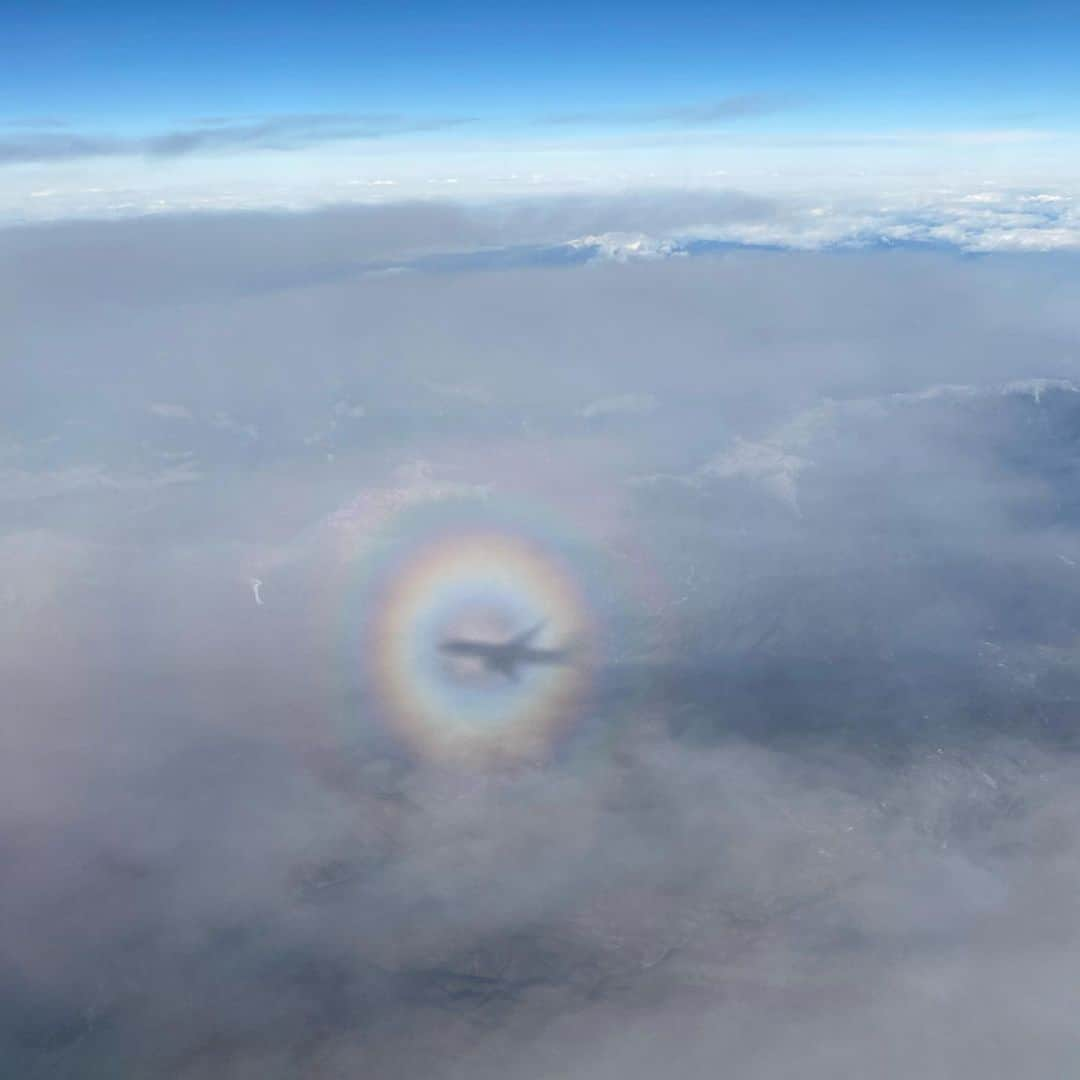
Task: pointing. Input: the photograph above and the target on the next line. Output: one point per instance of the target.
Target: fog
(813, 811)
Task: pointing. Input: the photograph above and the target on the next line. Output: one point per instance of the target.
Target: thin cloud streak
(292, 132)
(737, 107)
(48, 141)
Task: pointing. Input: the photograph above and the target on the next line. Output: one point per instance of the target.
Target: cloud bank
(816, 811)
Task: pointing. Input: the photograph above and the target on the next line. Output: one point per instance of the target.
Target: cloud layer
(817, 811)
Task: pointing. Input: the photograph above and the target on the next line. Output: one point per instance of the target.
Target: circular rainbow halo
(485, 588)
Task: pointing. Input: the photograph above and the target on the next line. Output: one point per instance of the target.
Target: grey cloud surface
(818, 811)
(259, 251)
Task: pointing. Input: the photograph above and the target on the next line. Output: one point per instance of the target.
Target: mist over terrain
(813, 809)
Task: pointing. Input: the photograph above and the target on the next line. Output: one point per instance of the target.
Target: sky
(917, 66)
(734, 355)
(128, 108)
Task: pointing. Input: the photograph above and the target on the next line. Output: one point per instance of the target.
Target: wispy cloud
(287, 132)
(47, 146)
(34, 123)
(737, 107)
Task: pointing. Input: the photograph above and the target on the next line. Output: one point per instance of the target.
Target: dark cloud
(290, 132)
(817, 812)
(45, 146)
(54, 141)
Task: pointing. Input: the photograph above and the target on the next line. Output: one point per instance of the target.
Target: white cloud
(413, 484)
(767, 463)
(776, 462)
(979, 221)
(626, 247)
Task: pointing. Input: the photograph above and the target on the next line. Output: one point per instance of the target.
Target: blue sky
(131, 67)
